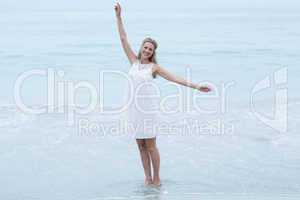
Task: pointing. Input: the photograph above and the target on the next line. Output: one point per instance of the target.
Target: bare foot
(148, 181)
(156, 182)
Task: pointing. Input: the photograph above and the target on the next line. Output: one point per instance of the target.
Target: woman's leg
(155, 158)
(145, 157)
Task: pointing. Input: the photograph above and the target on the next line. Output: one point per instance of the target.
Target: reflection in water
(135, 190)
(148, 192)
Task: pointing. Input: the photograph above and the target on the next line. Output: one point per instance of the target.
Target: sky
(102, 5)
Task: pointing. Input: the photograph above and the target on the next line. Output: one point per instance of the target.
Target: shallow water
(42, 157)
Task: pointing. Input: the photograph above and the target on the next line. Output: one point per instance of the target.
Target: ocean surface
(247, 144)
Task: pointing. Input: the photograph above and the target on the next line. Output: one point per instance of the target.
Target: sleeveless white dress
(143, 105)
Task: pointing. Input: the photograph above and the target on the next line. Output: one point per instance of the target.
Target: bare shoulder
(133, 60)
(156, 67)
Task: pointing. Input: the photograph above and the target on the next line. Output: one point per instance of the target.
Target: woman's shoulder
(134, 61)
(155, 66)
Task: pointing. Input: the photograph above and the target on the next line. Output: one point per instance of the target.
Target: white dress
(143, 105)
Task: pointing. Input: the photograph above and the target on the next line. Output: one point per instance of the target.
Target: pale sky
(85, 5)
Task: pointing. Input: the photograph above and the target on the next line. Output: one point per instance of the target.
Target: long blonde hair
(153, 57)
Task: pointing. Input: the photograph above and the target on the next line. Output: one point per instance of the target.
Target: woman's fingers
(204, 89)
(118, 8)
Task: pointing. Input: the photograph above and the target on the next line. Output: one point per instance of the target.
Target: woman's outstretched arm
(170, 77)
(125, 44)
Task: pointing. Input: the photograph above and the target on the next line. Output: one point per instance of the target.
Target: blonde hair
(153, 57)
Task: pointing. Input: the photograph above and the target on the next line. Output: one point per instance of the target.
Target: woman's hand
(204, 88)
(118, 9)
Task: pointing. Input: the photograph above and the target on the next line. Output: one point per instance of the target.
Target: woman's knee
(151, 149)
(151, 146)
(142, 145)
(142, 148)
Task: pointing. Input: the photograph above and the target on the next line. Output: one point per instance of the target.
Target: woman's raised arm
(125, 44)
(170, 77)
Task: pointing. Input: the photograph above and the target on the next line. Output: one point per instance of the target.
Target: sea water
(251, 153)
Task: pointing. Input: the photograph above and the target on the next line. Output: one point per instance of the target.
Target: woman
(144, 69)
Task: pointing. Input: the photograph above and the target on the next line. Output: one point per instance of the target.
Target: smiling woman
(143, 71)
(227, 154)
(148, 49)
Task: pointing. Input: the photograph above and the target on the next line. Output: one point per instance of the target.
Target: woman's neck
(145, 61)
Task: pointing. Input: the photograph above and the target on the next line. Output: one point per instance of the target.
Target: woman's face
(147, 50)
